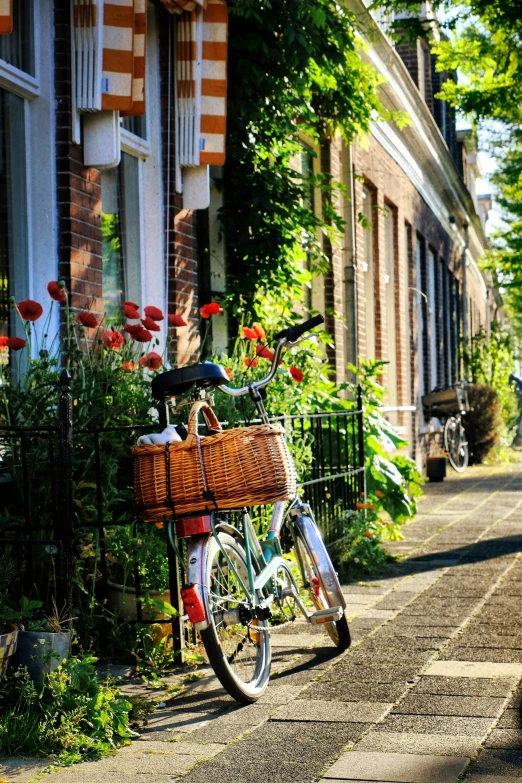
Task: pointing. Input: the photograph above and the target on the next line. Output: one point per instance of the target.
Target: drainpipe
(465, 330)
(350, 271)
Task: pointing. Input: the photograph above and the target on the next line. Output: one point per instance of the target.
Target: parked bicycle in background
(450, 405)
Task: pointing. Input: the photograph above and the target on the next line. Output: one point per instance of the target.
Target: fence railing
(66, 505)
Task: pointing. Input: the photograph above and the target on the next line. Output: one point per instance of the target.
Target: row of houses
(112, 138)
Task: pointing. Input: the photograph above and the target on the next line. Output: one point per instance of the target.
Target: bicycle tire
(326, 592)
(219, 641)
(452, 424)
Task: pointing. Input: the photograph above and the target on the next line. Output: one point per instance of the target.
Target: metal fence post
(65, 519)
(360, 436)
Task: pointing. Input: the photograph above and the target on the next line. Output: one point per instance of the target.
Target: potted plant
(436, 467)
(42, 643)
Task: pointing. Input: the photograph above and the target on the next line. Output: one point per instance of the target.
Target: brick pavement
(428, 693)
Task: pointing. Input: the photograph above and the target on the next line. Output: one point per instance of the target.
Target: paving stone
(280, 694)
(464, 686)
(484, 654)
(342, 712)
(85, 773)
(439, 744)
(465, 706)
(490, 670)
(436, 724)
(379, 614)
(511, 719)
(299, 641)
(274, 731)
(19, 770)
(350, 691)
(501, 763)
(400, 767)
(432, 620)
(395, 657)
(393, 642)
(396, 600)
(423, 631)
(377, 674)
(295, 677)
(261, 771)
(472, 638)
(139, 763)
(510, 739)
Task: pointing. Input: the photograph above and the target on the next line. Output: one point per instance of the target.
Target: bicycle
(238, 587)
(450, 405)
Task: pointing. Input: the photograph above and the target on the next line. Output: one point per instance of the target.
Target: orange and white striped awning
(178, 6)
(6, 17)
(109, 55)
(201, 85)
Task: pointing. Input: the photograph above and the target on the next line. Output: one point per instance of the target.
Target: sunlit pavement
(428, 692)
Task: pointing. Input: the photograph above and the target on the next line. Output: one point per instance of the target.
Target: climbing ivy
(294, 69)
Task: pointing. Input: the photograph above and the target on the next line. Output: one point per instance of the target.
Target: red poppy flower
(87, 319)
(264, 352)
(249, 362)
(143, 336)
(368, 534)
(154, 313)
(129, 311)
(379, 493)
(296, 374)
(113, 340)
(30, 310)
(150, 324)
(249, 333)
(258, 329)
(229, 373)
(176, 320)
(152, 361)
(15, 343)
(132, 329)
(129, 366)
(56, 292)
(132, 304)
(159, 525)
(365, 505)
(212, 308)
(3, 342)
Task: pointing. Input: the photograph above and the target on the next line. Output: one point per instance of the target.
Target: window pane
(120, 237)
(136, 125)
(13, 207)
(18, 48)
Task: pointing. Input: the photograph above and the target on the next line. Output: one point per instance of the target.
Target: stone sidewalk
(428, 692)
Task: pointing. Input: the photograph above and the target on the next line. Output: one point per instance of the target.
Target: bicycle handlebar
(285, 338)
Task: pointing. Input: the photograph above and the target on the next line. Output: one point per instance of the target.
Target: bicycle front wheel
(455, 444)
(319, 577)
(237, 644)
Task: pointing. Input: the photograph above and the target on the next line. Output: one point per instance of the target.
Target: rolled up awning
(6, 17)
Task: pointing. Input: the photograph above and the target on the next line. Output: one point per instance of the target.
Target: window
(13, 206)
(17, 49)
(421, 311)
(369, 272)
(136, 125)
(121, 236)
(391, 316)
(432, 320)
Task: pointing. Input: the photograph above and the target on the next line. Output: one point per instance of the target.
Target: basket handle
(209, 415)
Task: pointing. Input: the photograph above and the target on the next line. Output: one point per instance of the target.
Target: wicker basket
(227, 470)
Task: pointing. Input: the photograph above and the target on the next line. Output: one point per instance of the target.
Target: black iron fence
(68, 521)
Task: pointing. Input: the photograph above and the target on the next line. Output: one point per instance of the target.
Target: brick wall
(78, 188)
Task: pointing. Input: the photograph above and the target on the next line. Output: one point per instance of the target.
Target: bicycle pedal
(330, 615)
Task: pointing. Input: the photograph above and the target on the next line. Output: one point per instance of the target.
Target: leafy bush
(484, 422)
(360, 551)
(70, 716)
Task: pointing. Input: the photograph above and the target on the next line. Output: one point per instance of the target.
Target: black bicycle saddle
(182, 379)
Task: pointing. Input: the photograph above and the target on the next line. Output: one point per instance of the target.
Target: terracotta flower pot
(8, 643)
(436, 468)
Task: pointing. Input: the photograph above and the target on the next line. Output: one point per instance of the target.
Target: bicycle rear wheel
(319, 577)
(237, 644)
(455, 444)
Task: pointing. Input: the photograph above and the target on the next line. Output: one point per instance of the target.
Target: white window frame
(40, 156)
(368, 267)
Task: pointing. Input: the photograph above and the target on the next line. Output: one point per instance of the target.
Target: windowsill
(134, 144)
(18, 81)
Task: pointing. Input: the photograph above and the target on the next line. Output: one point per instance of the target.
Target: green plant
(483, 423)
(393, 481)
(72, 716)
(360, 552)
